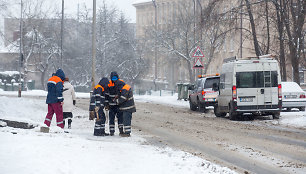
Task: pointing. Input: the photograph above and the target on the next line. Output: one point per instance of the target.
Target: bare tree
(295, 19)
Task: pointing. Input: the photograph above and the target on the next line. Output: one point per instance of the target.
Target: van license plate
(246, 99)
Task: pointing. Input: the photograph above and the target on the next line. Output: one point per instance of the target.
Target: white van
(251, 85)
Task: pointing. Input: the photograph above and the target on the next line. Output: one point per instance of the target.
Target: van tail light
(279, 92)
(303, 96)
(234, 89)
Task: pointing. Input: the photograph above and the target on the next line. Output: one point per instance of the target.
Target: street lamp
(155, 45)
(93, 67)
(62, 33)
(20, 50)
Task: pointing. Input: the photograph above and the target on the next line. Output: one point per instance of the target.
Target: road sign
(198, 53)
(198, 64)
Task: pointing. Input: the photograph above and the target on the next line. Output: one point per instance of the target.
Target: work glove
(97, 108)
(91, 115)
(116, 101)
(106, 107)
(74, 102)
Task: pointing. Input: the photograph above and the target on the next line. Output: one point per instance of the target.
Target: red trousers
(58, 110)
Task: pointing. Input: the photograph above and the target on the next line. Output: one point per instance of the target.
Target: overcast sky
(123, 5)
(71, 7)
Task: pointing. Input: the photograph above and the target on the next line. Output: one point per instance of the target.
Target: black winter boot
(125, 135)
(121, 131)
(69, 123)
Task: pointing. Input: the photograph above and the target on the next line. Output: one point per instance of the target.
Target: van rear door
(258, 86)
(267, 84)
(246, 85)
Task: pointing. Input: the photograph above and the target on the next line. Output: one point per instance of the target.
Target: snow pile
(295, 119)
(30, 151)
(168, 100)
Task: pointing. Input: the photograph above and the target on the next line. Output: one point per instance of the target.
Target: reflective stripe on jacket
(55, 90)
(111, 93)
(126, 100)
(97, 98)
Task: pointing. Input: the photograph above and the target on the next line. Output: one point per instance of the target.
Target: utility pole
(62, 33)
(155, 46)
(240, 28)
(20, 49)
(93, 67)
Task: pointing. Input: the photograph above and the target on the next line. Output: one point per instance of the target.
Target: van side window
(256, 79)
(222, 81)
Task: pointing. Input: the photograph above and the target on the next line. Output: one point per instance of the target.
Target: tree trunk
(190, 72)
(256, 45)
(268, 29)
(280, 28)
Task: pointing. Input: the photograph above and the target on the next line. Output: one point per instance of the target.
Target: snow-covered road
(29, 151)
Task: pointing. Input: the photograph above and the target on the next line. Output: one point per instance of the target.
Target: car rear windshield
(256, 79)
(210, 81)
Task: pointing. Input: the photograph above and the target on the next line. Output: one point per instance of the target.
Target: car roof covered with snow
(291, 87)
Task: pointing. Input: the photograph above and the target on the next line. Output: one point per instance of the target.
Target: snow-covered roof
(9, 73)
(136, 2)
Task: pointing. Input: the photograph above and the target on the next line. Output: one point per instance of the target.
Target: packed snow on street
(31, 151)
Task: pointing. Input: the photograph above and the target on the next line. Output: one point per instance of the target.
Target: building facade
(167, 69)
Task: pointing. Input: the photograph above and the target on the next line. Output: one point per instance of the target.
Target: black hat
(104, 82)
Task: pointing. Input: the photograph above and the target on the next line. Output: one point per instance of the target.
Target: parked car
(250, 85)
(203, 95)
(293, 96)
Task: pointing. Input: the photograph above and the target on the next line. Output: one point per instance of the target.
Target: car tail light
(203, 94)
(234, 89)
(302, 96)
(279, 92)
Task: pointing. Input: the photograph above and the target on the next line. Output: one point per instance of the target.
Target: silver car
(293, 96)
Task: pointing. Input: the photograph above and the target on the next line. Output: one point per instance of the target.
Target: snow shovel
(97, 113)
(106, 115)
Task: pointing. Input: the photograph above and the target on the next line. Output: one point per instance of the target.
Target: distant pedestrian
(69, 101)
(55, 98)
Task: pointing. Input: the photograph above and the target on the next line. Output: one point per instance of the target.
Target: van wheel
(192, 106)
(302, 108)
(232, 115)
(276, 115)
(218, 113)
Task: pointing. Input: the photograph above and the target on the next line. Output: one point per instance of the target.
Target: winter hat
(114, 76)
(60, 73)
(104, 82)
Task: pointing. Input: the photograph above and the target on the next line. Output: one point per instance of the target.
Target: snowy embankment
(30, 151)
